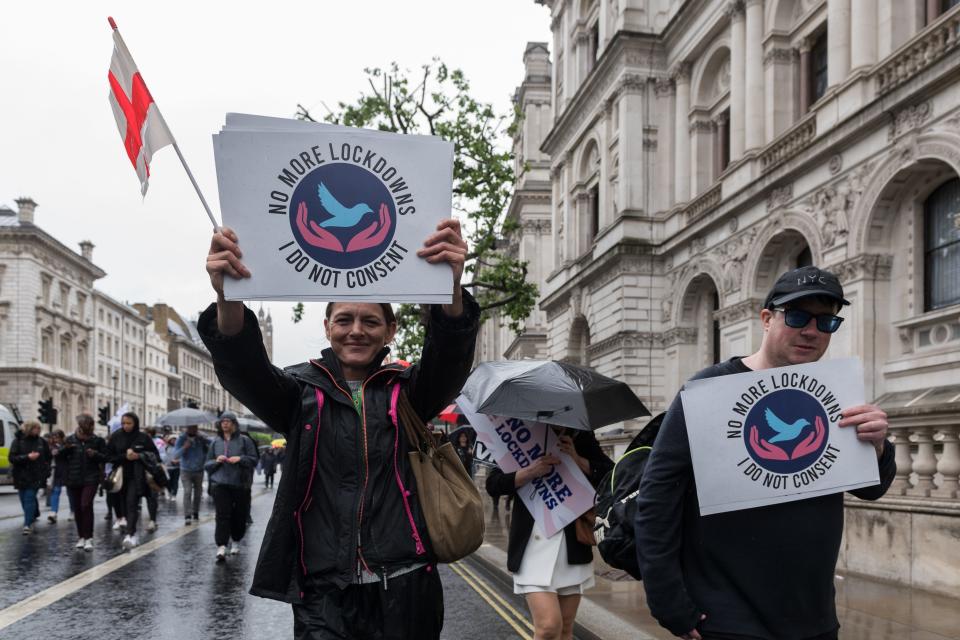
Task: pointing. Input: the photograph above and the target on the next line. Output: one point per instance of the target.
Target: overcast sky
(59, 142)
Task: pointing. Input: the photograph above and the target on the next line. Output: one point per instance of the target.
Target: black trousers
(410, 608)
(231, 513)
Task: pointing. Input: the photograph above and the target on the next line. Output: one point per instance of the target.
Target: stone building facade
(46, 318)
(63, 339)
(701, 147)
(120, 338)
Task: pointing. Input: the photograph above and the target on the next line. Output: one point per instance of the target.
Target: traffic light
(104, 414)
(47, 414)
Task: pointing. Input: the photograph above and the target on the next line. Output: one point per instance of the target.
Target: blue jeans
(28, 502)
(55, 498)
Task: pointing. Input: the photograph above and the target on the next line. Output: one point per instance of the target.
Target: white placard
(325, 212)
(771, 436)
(554, 500)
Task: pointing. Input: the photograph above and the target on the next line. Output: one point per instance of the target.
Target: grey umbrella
(553, 392)
(184, 417)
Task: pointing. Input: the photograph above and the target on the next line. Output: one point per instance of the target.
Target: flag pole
(176, 147)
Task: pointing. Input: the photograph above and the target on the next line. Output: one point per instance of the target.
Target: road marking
(458, 569)
(491, 591)
(48, 596)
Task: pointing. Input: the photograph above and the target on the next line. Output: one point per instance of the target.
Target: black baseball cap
(803, 283)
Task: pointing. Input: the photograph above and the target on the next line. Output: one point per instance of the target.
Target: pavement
(615, 608)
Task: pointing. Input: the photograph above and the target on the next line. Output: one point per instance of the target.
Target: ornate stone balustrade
(703, 204)
(790, 143)
(928, 461)
(928, 46)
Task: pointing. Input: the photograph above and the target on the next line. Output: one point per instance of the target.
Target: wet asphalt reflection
(177, 592)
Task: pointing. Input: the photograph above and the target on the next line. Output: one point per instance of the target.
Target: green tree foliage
(437, 101)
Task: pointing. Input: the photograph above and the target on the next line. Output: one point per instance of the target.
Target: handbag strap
(417, 435)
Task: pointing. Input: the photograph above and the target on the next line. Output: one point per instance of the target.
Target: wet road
(171, 588)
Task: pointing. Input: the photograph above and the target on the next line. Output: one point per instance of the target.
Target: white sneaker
(234, 548)
(221, 553)
(79, 544)
(121, 523)
(151, 526)
(88, 545)
(129, 542)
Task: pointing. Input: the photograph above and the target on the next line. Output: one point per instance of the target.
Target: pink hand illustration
(314, 234)
(812, 442)
(764, 449)
(372, 235)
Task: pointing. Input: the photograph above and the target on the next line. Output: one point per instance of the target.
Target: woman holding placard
(553, 572)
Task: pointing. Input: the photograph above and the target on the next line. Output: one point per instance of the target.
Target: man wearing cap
(764, 573)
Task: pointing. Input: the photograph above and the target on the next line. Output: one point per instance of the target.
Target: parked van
(9, 425)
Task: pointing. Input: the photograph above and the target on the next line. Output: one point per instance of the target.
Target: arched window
(942, 246)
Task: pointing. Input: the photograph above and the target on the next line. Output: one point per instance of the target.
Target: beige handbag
(449, 499)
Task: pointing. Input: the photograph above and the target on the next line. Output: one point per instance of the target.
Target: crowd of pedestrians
(134, 466)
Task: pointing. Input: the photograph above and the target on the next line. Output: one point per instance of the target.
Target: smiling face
(783, 345)
(357, 332)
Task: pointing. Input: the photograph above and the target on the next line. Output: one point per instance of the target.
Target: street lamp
(115, 378)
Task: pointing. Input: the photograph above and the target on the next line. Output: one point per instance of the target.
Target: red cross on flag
(141, 126)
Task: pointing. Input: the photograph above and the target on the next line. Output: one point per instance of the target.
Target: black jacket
(27, 473)
(521, 522)
(81, 468)
(133, 470)
(766, 572)
(346, 476)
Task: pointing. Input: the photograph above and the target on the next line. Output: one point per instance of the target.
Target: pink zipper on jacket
(298, 514)
(394, 396)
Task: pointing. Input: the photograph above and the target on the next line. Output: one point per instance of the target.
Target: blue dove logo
(341, 216)
(785, 432)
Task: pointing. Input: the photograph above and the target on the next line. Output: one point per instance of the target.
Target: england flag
(141, 126)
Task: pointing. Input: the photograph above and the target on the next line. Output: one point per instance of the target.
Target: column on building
(838, 41)
(863, 34)
(701, 147)
(753, 113)
(582, 45)
(664, 164)
(933, 10)
(735, 9)
(780, 87)
(633, 119)
(681, 144)
(805, 71)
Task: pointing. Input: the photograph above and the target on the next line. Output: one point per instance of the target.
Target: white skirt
(545, 568)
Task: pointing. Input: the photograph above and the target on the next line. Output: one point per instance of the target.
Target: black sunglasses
(798, 319)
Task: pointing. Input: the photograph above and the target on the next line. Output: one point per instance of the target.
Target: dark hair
(84, 420)
(388, 315)
(134, 417)
(59, 434)
(151, 431)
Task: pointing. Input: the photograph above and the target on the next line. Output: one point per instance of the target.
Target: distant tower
(266, 328)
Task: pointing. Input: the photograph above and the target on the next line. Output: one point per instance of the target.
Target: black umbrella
(454, 435)
(557, 393)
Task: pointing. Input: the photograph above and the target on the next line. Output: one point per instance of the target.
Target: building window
(818, 67)
(45, 288)
(46, 348)
(942, 246)
(82, 359)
